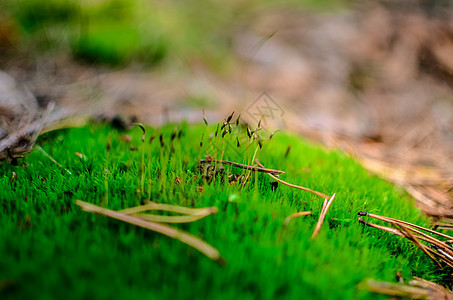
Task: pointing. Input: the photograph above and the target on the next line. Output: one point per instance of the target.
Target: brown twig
(169, 231)
(324, 196)
(242, 166)
(322, 216)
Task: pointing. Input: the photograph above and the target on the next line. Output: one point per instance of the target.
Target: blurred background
(372, 77)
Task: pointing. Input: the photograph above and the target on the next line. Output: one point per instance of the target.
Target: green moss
(51, 249)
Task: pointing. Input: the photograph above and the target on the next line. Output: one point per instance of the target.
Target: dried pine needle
(390, 220)
(404, 229)
(52, 159)
(395, 289)
(384, 228)
(170, 208)
(324, 196)
(296, 215)
(420, 234)
(322, 216)
(169, 231)
(171, 219)
(413, 238)
(416, 289)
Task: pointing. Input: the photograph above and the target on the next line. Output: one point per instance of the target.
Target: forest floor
(374, 81)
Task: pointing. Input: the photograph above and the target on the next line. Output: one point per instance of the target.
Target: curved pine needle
(322, 216)
(443, 251)
(296, 215)
(403, 224)
(401, 233)
(324, 196)
(169, 231)
(171, 219)
(409, 224)
(52, 159)
(170, 208)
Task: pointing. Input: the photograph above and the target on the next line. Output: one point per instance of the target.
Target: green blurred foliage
(120, 32)
(105, 32)
(33, 15)
(112, 33)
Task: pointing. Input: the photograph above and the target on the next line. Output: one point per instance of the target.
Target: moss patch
(52, 249)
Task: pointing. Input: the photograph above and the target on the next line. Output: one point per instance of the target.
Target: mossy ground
(51, 249)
